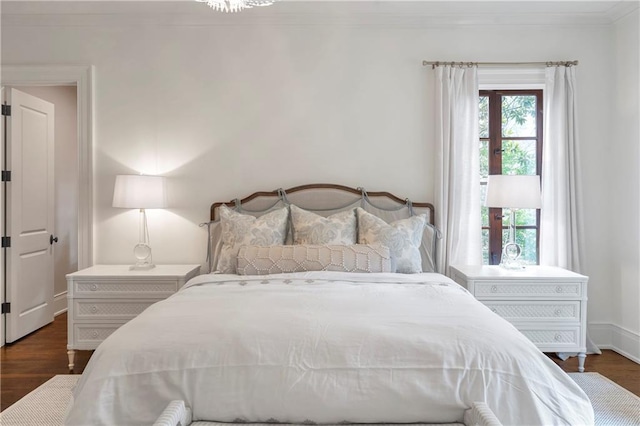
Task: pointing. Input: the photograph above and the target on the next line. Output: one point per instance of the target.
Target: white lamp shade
(140, 192)
(513, 191)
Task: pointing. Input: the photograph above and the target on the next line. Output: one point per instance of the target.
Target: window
(510, 143)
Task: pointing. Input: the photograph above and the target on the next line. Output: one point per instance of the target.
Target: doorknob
(52, 239)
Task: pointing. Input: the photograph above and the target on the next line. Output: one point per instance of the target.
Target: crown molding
(392, 14)
(621, 9)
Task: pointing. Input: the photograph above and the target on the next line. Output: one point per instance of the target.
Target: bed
(305, 319)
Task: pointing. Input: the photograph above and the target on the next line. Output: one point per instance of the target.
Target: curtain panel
(561, 222)
(457, 179)
(561, 219)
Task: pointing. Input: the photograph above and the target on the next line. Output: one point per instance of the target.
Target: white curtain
(561, 214)
(561, 221)
(457, 179)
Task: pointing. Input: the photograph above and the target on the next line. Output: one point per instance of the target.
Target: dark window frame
(495, 140)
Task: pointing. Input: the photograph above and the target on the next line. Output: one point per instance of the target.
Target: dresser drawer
(536, 311)
(160, 289)
(522, 289)
(89, 336)
(553, 338)
(118, 309)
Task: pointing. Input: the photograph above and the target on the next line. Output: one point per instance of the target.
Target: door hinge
(6, 110)
(6, 308)
(6, 242)
(6, 176)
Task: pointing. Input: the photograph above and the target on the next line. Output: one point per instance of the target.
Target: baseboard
(619, 339)
(60, 303)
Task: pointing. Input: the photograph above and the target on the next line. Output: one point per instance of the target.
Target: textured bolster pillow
(261, 260)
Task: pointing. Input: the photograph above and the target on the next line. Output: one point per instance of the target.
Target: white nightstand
(103, 297)
(547, 304)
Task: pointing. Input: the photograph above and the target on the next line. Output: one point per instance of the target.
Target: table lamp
(513, 192)
(141, 192)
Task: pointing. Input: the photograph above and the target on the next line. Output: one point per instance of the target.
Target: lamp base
(143, 267)
(512, 265)
(511, 256)
(142, 252)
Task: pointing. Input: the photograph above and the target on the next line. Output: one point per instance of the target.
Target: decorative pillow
(241, 229)
(403, 238)
(260, 260)
(311, 228)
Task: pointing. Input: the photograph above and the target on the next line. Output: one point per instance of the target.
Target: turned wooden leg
(72, 354)
(581, 359)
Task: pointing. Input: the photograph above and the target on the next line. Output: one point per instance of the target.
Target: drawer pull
(94, 287)
(557, 312)
(94, 309)
(494, 289)
(557, 337)
(558, 289)
(94, 334)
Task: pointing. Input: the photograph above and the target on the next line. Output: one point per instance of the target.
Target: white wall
(228, 104)
(624, 147)
(65, 257)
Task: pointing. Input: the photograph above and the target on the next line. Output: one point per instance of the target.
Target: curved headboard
(326, 199)
(322, 196)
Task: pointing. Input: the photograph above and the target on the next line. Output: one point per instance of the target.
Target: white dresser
(547, 304)
(103, 297)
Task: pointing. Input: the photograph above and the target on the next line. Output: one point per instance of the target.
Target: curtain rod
(501, 64)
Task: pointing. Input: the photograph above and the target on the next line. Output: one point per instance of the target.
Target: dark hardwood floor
(34, 359)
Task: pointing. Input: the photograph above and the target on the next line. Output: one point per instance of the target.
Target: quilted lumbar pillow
(241, 229)
(311, 228)
(259, 260)
(403, 237)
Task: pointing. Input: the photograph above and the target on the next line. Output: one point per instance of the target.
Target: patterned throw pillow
(403, 237)
(310, 228)
(241, 229)
(257, 260)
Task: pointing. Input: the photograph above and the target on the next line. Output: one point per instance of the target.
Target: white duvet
(325, 348)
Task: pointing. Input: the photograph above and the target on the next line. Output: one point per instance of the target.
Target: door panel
(34, 180)
(31, 214)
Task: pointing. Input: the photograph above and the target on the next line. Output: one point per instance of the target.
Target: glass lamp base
(511, 256)
(142, 252)
(142, 267)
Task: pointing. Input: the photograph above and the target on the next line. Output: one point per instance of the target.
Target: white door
(30, 214)
(2, 213)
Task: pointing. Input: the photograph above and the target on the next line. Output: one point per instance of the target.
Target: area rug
(613, 405)
(46, 405)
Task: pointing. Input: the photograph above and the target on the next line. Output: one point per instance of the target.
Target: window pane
(519, 157)
(526, 217)
(484, 116)
(484, 211)
(519, 116)
(484, 159)
(485, 246)
(526, 239)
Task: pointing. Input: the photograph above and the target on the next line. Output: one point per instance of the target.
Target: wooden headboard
(354, 193)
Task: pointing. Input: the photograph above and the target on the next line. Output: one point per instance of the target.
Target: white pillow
(403, 237)
(259, 260)
(311, 228)
(241, 229)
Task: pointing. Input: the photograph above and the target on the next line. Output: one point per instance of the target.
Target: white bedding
(323, 347)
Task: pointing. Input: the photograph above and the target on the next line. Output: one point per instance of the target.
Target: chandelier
(235, 5)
